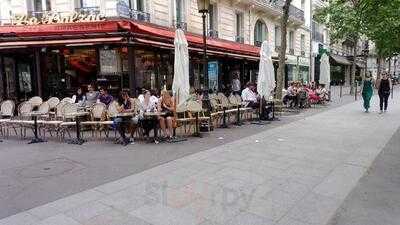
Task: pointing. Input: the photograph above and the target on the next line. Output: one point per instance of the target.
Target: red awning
(67, 42)
(194, 39)
(64, 28)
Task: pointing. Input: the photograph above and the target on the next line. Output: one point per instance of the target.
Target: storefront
(55, 59)
(297, 69)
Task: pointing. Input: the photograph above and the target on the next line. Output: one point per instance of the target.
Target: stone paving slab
(296, 174)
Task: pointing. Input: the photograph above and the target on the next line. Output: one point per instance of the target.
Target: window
(179, 14)
(41, 5)
(139, 6)
(239, 27)
(213, 21)
(291, 41)
(302, 44)
(277, 37)
(260, 33)
(303, 5)
(89, 3)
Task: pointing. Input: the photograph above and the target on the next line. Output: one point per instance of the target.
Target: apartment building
(141, 51)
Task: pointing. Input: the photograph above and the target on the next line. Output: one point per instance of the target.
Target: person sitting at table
(79, 97)
(167, 107)
(121, 123)
(104, 97)
(249, 96)
(322, 93)
(154, 96)
(92, 95)
(146, 106)
(290, 98)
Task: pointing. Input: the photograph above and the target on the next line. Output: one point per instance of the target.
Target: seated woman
(79, 97)
(121, 123)
(322, 93)
(147, 105)
(166, 106)
(312, 96)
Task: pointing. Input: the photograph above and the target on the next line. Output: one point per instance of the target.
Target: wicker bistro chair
(197, 113)
(53, 102)
(23, 120)
(68, 122)
(112, 110)
(53, 124)
(97, 116)
(67, 100)
(6, 113)
(247, 112)
(35, 101)
(227, 108)
(182, 118)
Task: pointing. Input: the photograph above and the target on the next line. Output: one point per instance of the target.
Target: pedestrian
(236, 86)
(383, 85)
(367, 92)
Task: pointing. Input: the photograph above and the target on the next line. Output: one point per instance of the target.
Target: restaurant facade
(54, 59)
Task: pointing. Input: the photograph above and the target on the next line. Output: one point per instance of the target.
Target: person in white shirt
(249, 96)
(236, 86)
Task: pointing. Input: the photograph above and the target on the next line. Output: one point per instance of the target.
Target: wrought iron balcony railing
(180, 25)
(258, 43)
(291, 51)
(139, 15)
(88, 10)
(123, 10)
(239, 39)
(303, 53)
(213, 33)
(278, 5)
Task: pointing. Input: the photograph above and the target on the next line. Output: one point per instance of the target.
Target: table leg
(197, 132)
(36, 139)
(238, 122)
(78, 140)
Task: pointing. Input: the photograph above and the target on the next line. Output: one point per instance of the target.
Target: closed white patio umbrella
(180, 85)
(325, 71)
(266, 73)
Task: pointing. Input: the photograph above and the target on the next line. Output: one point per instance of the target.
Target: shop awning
(67, 42)
(154, 31)
(340, 60)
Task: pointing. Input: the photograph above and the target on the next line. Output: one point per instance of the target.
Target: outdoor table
(224, 123)
(125, 115)
(238, 121)
(153, 115)
(35, 115)
(197, 128)
(77, 116)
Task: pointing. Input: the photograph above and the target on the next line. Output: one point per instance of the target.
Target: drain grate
(48, 168)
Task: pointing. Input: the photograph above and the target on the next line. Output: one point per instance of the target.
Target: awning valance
(340, 60)
(67, 42)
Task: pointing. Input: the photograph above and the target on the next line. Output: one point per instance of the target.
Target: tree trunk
(378, 72)
(390, 62)
(353, 68)
(282, 52)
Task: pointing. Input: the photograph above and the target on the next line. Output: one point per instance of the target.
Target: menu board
(109, 62)
(213, 75)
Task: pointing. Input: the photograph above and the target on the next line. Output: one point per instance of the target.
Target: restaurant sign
(57, 18)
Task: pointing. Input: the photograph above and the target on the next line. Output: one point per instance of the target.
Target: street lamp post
(203, 6)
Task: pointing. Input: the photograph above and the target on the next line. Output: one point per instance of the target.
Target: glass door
(9, 76)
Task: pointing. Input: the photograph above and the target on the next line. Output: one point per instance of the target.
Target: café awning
(66, 42)
(337, 59)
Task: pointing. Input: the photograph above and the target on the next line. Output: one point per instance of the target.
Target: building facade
(138, 51)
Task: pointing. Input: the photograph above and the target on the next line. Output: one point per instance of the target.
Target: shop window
(277, 38)
(260, 33)
(303, 5)
(41, 5)
(89, 4)
(239, 27)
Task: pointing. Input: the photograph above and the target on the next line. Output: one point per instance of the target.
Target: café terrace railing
(277, 5)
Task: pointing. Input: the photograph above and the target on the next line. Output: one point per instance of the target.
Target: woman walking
(367, 92)
(384, 85)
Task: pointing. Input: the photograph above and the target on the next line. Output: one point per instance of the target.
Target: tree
(282, 52)
(343, 18)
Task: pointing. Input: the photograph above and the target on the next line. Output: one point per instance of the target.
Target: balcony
(275, 8)
(180, 25)
(212, 33)
(239, 39)
(123, 10)
(291, 51)
(258, 43)
(88, 10)
(303, 53)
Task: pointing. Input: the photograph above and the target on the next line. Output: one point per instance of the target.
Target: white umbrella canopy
(266, 73)
(180, 85)
(325, 71)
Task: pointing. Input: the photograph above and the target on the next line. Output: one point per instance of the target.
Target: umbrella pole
(260, 122)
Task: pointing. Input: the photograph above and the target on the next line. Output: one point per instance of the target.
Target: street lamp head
(203, 6)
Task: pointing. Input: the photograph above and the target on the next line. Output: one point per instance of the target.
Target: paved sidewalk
(296, 174)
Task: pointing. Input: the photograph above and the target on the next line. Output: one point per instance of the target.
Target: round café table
(78, 140)
(35, 115)
(154, 116)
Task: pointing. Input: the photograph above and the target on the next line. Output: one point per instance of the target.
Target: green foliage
(379, 20)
